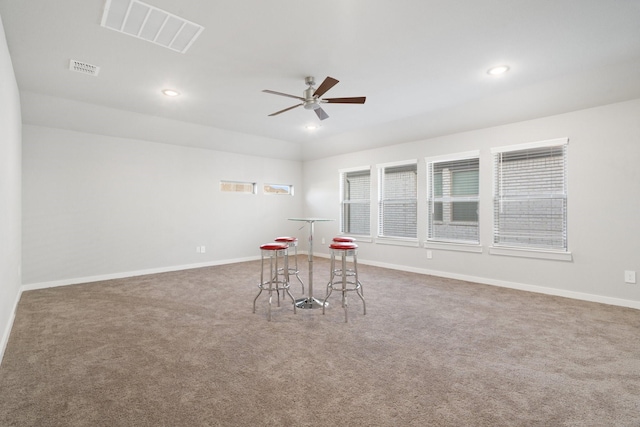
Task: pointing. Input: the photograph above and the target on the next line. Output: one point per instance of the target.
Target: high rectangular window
(397, 206)
(530, 195)
(452, 198)
(283, 189)
(238, 187)
(355, 193)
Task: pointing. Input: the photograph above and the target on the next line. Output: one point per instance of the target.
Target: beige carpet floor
(184, 349)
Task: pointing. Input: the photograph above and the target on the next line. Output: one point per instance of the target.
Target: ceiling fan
(312, 97)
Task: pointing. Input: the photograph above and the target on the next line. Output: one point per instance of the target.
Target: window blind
(530, 203)
(398, 208)
(452, 199)
(355, 189)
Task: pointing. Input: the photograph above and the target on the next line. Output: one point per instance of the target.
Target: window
(355, 193)
(530, 195)
(278, 189)
(238, 187)
(452, 198)
(397, 207)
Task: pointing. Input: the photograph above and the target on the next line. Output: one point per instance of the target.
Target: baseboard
(7, 329)
(512, 285)
(122, 275)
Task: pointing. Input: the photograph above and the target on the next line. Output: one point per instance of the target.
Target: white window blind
(397, 209)
(530, 203)
(355, 190)
(452, 200)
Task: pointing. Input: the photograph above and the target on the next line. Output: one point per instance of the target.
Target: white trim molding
(456, 247)
(7, 330)
(531, 253)
(527, 145)
(398, 241)
(582, 296)
(122, 275)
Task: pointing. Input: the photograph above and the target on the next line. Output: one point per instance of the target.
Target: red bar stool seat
(293, 269)
(344, 283)
(276, 253)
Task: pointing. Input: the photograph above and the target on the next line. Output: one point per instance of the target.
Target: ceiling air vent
(83, 67)
(149, 23)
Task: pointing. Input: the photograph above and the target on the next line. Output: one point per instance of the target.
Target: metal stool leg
(330, 283)
(359, 289)
(344, 285)
(295, 252)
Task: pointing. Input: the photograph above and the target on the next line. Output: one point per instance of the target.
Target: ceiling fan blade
(327, 84)
(321, 113)
(285, 110)
(273, 92)
(352, 100)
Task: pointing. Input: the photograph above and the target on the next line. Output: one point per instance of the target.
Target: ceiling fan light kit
(313, 97)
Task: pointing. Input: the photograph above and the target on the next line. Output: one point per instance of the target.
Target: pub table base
(310, 303)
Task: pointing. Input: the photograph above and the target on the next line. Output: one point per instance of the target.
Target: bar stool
(276, 282)
(292, 241)
(345, 239)
(344, 282)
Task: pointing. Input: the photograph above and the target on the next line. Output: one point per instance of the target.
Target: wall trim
(122, 275)
(7, 330)
(512, 285)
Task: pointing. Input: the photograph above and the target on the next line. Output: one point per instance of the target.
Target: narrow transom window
(282, 189)
(530, 196)
(238, 187)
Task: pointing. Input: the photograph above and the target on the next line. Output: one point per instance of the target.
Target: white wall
(603, 205)
(98, 206)
(10, 187)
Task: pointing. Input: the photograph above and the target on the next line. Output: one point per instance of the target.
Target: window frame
(288, 192)
(433, 197)
(254, 186)
(560, 253)
(344, 202)
(387, 238)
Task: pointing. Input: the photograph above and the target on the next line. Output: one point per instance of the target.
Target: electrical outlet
(203, 249)
(429, 254)
(198, 249)
(323, 240)
(630, 276)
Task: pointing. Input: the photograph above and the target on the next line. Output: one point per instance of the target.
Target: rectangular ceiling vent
(83, 67)
(149, 23)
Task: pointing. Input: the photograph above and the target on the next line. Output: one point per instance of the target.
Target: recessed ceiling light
(311, 127)
(496, 71)
(170, 92)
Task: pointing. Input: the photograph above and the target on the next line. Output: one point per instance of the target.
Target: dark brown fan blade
(273, 92)
(352, 100)
(321, 113)
(285, 110)
(327, 84)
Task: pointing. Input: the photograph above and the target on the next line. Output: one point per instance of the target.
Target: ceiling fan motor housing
(310, 102)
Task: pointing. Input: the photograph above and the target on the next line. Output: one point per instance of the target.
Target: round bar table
(310, 301)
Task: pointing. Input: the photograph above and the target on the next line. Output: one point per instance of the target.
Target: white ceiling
(421, 64)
